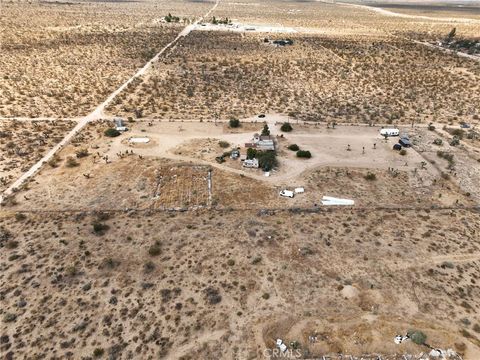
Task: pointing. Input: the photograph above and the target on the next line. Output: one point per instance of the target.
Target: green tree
(234, 123)
(286, 127)
(267, 160)
(266, 130)
(112, 132)
(251, 153)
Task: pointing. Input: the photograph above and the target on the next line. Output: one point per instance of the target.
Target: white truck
(287, 193)
(389, 132)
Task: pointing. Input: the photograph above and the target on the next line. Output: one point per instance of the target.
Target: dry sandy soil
(123, 251)
(227, 284)
(171, 171)
(63, 59)
(320, 78)
(23, 143)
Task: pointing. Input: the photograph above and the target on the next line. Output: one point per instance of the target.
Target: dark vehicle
(465, 126)
(397, 147)
(405, 142)
(261, 116)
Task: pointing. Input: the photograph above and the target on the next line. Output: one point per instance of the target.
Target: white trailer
(389, 132)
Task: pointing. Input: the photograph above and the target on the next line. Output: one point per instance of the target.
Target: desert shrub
(81, 153)
(417, 336)
(4, 234)
(455, 141)
(20, 216)
(71, 162)
(149, 267)
(110, 263)
(111, 132)
(98, 352)
(457, 132)
(53, 162)
(12, 244)
(213, 296)
(230, 262)
(266, 296)
(304, 154)
(223, 144)
(9, 317)
(155, 250)
(438, 142)
(403, 152)
(234, 123)
(256, 260)
(370, 176)
(286, 127)
(293, 147)
(99, 228)
(170, 18)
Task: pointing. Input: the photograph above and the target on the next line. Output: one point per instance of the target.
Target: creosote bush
(304, 154)
(286, 127)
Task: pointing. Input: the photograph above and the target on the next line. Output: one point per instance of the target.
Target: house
(263, 143)
(250, 163)
(119, 124)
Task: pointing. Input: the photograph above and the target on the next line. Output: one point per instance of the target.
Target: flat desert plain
(131, 226)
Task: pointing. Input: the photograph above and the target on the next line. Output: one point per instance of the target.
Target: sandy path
(409, 16)
(98, 113)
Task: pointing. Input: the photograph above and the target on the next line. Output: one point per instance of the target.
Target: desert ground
(154, 243)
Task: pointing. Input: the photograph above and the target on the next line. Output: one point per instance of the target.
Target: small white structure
(250, 163)
(281, 345)
(389, 132)
(119, 125)
(287, 193)
(139, 140)
(299, 190)
(328, 200)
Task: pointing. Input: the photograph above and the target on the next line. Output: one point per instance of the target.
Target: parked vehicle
(397, 147)
(405, 142)
(465, 126)
(287, 193)
(389, 132)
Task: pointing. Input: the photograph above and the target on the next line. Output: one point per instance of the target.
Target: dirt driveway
(328, 146)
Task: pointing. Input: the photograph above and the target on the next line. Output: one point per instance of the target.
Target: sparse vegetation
(370, 176)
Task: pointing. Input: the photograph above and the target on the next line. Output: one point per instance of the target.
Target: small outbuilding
(119, 124)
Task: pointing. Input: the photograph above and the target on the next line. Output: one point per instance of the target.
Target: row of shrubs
(305, 154)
